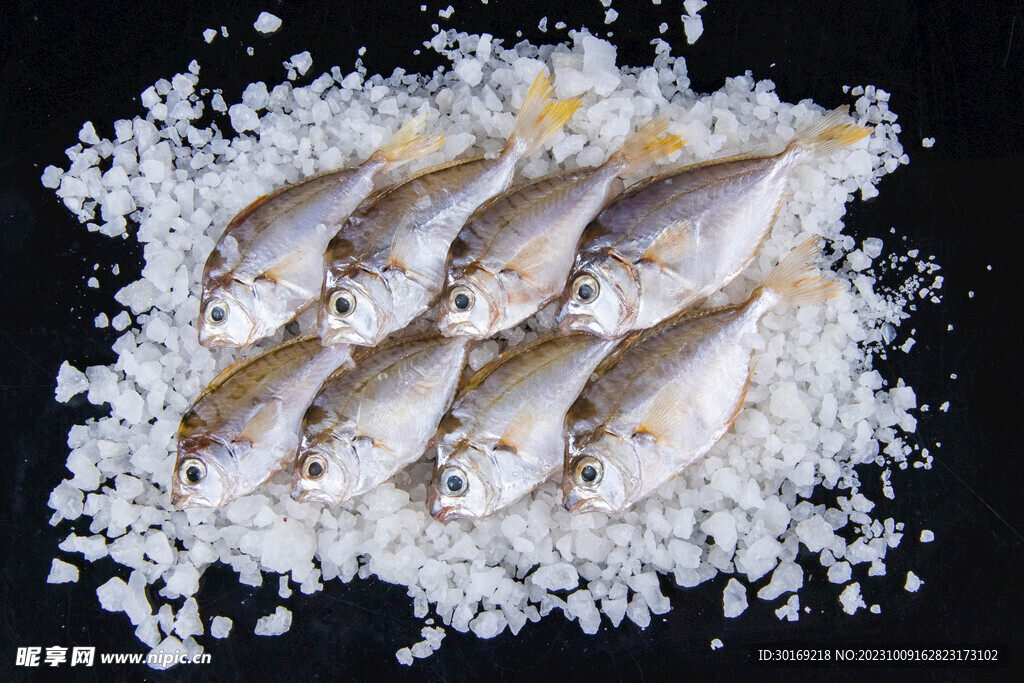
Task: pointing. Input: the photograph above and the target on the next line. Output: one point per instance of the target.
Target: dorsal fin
(237, 366)
(481, 375)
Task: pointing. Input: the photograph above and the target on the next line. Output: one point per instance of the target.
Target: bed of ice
(815, 409)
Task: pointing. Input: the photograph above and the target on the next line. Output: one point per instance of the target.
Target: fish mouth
(188, 501)
(574, 322)
(312, 496)
(219, 342)
(339, 336)
(449, 512)
(582, 505)
(462, 328)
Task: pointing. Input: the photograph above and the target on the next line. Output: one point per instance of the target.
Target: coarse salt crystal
(266, 23)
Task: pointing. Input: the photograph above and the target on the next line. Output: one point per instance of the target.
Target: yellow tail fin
(833, 131)
(540, 116)
(794, 280)
(409, 143)
(646, 145)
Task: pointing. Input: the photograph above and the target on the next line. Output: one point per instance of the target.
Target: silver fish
(244, 427)
(673, 240)
(669, 395)
(515, 253)
(505, 434)
(386, 265)
(369, 422)
(266, 267)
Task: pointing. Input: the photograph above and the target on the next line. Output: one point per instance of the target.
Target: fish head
(355, 308)
(322, 473)
(201, 478)
(602, 297)
(471, 306)
(597, 478)
(227, 315)
(463, 485)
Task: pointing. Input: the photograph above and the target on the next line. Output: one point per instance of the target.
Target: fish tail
(646, 145)
(794, 280)
(409, 143)
(831, 132)
(540, 117)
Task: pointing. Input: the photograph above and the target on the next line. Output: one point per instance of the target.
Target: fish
(670, 393)
(504, 435)
(513, 256)
(386, 265)
(669, 242)
(371, 420)
(244, 426)
(266, 267)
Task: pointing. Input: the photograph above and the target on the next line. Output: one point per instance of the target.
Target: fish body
(670, 394)
(513, 256)
(370, 421)
(244, 427)
(504, 435)
(266, 267)
(386, 265)
(669, 242)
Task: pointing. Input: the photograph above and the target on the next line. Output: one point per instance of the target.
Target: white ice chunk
(62, 572)
(266, 23)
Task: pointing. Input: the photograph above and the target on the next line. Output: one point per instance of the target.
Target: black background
(955, 73)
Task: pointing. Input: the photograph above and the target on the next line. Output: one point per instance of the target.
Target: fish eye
(587, 471)
(216, 311)
(191, 471)
(585, 288)
(341, 303)
(453, 482)
(461, 299)
(314, 467)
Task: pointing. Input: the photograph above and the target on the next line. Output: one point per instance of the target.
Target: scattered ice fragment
(610, 16)
(543, 25)
(274, 624)
(243, 118)
(70, 382)
(93, 283)
(62, 572)
(927, 536)
(662, 27)
(404, 656)
(220, 627)
(266, 23)
(716, 643)
(928, 142)
(913, 582)
(693, 27)
(51, 177)
(850, 598)
(209, 34)
(735, 598)
(302, 62)
(163, 656)
(446, 13)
